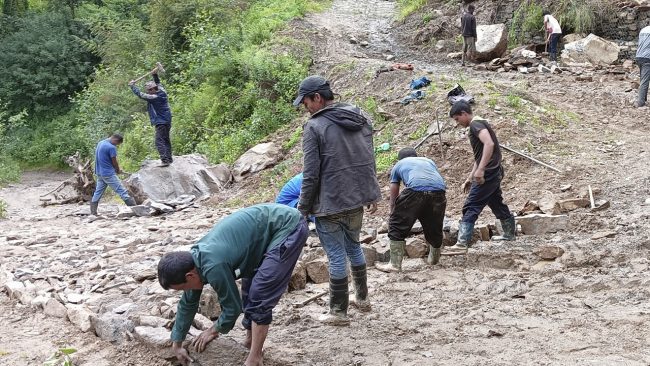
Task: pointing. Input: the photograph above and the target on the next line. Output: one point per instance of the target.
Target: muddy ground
(499, 305)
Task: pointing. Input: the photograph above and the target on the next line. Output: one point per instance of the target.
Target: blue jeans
(109, 181)
(339, 236)
(486, 194)
(555, 38)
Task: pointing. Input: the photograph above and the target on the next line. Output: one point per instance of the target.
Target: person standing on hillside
(484, 182)
(423, 199)
(643, 60)
(339, 179)
(160, 115)
(259, 244)
(554, 32)
(468, 27)
(106, 170)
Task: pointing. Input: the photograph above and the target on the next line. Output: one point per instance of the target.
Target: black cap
(310, 85)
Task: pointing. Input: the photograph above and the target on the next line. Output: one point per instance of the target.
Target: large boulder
(256, 159)
(492, 42)
(591, 49)
(188, 175)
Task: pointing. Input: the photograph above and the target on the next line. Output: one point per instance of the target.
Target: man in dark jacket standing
(160, 115)
(468, 27)
(339, 178)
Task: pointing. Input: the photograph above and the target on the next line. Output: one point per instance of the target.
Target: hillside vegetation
(66, 65)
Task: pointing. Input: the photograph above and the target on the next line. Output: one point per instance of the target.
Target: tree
(14, 7)
(44, 62)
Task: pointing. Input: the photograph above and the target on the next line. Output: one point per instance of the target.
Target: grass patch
(385, 160)
(3, 211)
(293, 139)
(9, 171)
(419, 133)
(408, 7)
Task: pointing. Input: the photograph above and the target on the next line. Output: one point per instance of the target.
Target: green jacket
(233, 249)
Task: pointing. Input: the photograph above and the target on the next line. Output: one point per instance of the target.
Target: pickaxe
(158, 69)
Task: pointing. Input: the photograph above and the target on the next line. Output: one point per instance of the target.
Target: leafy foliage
(526, 21)
(61, 358)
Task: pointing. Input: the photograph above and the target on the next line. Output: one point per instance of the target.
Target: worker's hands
(132, 82)
(372, 208)
(204, 338)
(466, 186)
(479, 176)
(181, 353)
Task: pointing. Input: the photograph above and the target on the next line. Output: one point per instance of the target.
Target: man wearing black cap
(160, 115)
(423, 199)
(339, 178)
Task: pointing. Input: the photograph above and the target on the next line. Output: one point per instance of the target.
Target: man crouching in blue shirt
(259, 244)
(423, 199)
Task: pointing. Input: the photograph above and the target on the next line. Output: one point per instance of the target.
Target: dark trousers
(644, 72)
(261, 293)
(552, 48)
(163, 144)
(428, 207)
(488, 193)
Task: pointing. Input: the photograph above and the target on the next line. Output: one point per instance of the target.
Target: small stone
(124, 308)
(142, 210)
(416, 248)
(483, 232)
(370, 253)
(549, 204)
(383, 229)
(209, 304)
(125, 213)
(603, 235)
(298, 279)
(364, 44)
(161, 207)
(390, 57)
(573, 204)
(112, 327)
(80, 316)
(318, 271)
(382, 248)
(536, 224)
(75, 298)
(566, 187)
(54, 308)
(549, 252)
(157, 337)
(153, 228)
(366, 239)
(201, 322)
(417, 228)
(522, 69)
(601, 205)
(455, 55)
(353, 40)
(153, 321)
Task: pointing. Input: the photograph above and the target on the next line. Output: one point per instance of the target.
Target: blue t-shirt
(418, 174)
(104, 153)
(290, 193)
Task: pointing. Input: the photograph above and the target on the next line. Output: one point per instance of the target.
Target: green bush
(526, 21)
(408, 7)
(9, 171)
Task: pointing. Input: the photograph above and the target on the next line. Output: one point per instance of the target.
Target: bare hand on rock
(181, 354)
(204, 338)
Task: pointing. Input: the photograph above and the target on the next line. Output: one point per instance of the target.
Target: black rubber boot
(360, 279)
(509, 229)
(339, 301)
(130, 201)
(93, 208)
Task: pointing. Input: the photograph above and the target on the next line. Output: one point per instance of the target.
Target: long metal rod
(442, 152)
(531, 158)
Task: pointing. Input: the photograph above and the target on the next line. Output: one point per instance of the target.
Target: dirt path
(500, 305)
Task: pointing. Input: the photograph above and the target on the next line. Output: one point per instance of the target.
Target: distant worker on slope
(423, 199)
(259, 245)
(468, 27)
(554, 32)
(484, 182)
(160, 115)
(106, 170)
(339, 179)
(643, 60)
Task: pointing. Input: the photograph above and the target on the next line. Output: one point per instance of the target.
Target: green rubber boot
(434, 255)
(509, 229)
(397, 248)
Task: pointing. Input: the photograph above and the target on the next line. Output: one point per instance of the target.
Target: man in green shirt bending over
(259, 244)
